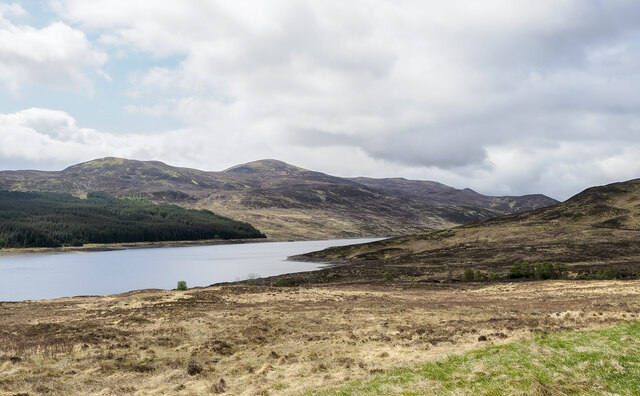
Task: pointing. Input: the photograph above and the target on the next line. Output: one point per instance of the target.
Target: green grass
(571, 363)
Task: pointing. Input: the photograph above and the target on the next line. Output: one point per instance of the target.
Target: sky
(504, 97)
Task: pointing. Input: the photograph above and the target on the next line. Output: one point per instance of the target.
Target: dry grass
(259, 340)
(592, 362)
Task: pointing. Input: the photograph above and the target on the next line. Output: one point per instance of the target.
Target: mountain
(595, 232)
(282, 200)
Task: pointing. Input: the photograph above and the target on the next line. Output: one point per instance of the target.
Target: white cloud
(53, 136)
(43, 135)
(56, 55)
(13, 9)
(500, 96)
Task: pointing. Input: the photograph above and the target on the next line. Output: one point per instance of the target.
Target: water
(99, 273)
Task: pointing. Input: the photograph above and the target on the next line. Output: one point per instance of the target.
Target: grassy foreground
(593, 362)
(261, 340)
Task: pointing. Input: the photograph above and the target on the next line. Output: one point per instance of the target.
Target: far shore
(105, 247)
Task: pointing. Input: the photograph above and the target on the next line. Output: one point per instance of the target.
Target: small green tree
(182, 285)
(387, 277)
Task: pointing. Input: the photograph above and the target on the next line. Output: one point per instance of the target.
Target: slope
(595, 230)
(282, 200)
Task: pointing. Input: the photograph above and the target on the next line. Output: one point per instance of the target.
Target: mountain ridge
(282, 200)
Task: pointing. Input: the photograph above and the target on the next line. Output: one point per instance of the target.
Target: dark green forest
(37, 219)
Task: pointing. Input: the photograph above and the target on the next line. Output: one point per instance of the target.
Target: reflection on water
(99, 273)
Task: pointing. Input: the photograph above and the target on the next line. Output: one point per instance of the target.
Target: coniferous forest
(41, 219)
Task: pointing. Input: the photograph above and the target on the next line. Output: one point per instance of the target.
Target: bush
(479, 276)
(387, 277)
(194, 368)
(540, 270)
(283, 282)
(182, 285)
(494, 276)
(609, 273)
(468, 275)
(521, 269)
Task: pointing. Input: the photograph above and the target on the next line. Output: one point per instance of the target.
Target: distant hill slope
(39, 219)
(595, 230)
(438, 192)
(282, 200)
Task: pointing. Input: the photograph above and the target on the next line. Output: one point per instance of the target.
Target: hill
(282, 200)
(53, 219)
(593, 234)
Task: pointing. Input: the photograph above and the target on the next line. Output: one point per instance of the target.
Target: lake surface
(99, 273)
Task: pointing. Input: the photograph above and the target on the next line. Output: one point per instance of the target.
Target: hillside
(592, 233)
(53, 220)
(440, 193)
(282, 200)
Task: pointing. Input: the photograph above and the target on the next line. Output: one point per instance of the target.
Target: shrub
(387, 277)
(544, 270)
(194, 368)
(479, 276)
(521, 269)
(283, 282)
(468, 275)
(494, 276)
(540, 270)
(182, 285)
(609, 273)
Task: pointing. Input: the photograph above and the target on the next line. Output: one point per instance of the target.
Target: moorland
(261, 340)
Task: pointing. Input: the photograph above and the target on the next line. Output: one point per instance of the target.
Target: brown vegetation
(595, 231)
(279, 340)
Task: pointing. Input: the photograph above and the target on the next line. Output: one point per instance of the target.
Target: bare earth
(246, 340)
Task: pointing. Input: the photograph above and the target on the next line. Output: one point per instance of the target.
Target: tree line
(44, 219)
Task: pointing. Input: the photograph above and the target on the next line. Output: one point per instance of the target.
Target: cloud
(13, 9)
(52, 136)
(499, 96)
(45, 135)
(56, 55)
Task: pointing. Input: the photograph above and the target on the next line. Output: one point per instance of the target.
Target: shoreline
(107, 247)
